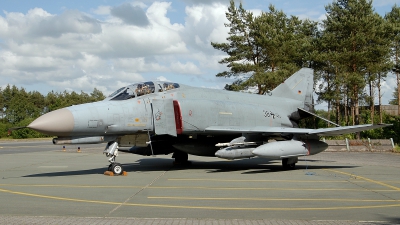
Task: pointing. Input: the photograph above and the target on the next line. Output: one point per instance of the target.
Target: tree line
(18, 107)
(352, 52)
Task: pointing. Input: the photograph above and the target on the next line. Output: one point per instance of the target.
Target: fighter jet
(156, 117)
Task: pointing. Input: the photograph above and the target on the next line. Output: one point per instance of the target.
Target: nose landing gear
(111, 151)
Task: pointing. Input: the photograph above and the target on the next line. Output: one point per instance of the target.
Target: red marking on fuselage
(178, 117)
(308, 148)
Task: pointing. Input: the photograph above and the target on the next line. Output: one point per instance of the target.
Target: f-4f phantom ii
(165, 117)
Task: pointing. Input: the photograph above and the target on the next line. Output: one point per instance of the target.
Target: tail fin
(299, 86)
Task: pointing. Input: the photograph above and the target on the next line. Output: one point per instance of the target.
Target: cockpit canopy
(139, 89)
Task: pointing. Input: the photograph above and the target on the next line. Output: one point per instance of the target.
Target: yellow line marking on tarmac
(291, 181)
(256, 188)
(52, 167)
(194, 187)
(195, 207)
(273, 199)
(367, 179)
(67, 186)
(35, 146)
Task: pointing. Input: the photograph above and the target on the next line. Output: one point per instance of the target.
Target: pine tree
(393, 18)
(352, 32)
(264, 50)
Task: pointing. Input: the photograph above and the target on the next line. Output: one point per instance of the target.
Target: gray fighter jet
(159, 117)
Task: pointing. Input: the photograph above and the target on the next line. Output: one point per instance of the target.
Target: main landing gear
(181, 158)
(289, 163)
(112, 152)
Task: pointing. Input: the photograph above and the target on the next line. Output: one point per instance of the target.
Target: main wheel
(116, 168)
(181, 158)
(287, 166)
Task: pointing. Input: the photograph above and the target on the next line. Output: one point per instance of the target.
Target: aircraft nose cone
(58, 123)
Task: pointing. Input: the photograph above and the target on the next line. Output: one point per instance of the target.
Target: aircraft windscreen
(126, 94)
(116, 92)
(139, 89)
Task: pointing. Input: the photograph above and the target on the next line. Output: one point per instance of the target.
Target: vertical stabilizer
(299, 86)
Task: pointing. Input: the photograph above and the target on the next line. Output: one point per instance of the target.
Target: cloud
(102, 10)
(75, 51)
(133, 15)
(38, 23)
(185, 68)
(162, 78)
(205, 2)
(205, 24)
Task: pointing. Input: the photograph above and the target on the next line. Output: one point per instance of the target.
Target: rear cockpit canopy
(140, 89)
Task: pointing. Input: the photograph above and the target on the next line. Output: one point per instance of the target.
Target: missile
(83, 140)
(235, 153)
(286, 149)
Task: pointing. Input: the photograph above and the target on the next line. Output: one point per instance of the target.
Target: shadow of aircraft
(247, 166)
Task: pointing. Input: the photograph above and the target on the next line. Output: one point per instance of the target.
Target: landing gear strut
(111, 151)
(289, 163)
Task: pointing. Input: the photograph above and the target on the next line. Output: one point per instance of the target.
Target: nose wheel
(116, 168)
(111, 151)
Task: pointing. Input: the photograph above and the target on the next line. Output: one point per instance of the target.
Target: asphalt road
(40, 180)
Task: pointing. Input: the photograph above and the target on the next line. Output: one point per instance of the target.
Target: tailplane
(299, 86)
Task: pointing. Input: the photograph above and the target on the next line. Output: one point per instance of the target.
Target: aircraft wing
(288, 130)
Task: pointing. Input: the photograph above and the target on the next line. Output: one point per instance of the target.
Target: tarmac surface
(42, 184)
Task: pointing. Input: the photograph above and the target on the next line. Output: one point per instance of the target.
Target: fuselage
(164, 117)
(199, 108)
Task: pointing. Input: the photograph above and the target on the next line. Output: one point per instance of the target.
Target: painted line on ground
(273, 199)
(197, 207)
(66, 186)
(203, 188)
(366, 179)
(52, 167)
(35, 146)
(289, 181)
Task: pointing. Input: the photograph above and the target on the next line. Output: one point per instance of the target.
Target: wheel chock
(109, 173)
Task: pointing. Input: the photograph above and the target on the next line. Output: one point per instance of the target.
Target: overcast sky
(81, 45)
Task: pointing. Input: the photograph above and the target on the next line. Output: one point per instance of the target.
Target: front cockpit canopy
(139, 89)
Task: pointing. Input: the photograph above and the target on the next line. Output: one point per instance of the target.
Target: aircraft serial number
(271, 114)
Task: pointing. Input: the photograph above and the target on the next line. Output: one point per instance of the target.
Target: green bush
(4, 130)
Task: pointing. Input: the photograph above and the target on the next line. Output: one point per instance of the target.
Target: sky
(54, 45)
